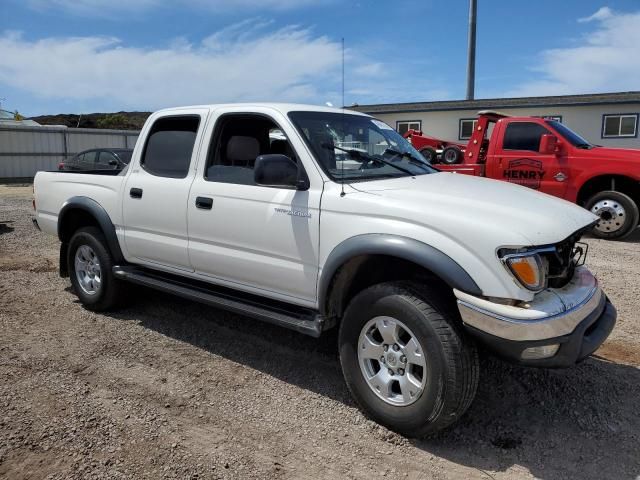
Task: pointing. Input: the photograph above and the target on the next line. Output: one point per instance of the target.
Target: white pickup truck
(312, 218)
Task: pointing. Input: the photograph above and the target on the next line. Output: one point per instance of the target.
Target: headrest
(242, 149)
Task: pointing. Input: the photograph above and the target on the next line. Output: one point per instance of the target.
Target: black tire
(451, 155)
(452, 367)
(429, 154)
(109, 294)
(618, 212)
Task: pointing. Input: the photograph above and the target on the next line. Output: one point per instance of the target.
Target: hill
(118, 120)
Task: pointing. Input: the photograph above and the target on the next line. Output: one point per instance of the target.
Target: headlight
(528, 268)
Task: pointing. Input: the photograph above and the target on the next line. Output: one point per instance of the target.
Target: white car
(246, 208)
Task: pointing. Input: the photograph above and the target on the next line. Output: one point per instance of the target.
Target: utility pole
(471, 52)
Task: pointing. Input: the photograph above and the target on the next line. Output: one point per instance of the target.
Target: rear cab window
(169, 146)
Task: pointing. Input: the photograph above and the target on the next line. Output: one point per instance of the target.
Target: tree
(116, 120)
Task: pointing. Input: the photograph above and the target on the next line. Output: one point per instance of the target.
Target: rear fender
(101, 217)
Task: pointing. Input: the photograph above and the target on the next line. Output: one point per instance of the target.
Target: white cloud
(243, 62)
(605, 61)
(603, 13)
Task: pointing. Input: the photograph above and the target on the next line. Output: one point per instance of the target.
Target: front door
(260, 239)
(155, 196)
(519, 161)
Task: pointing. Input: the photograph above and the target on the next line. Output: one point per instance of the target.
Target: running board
(300, 319)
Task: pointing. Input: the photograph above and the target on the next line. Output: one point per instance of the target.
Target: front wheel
(618, 214)
(405, 359)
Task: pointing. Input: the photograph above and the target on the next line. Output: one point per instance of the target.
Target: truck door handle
(135, 193)
(205, 203)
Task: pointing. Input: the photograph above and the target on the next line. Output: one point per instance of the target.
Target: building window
(405, 125)
(620, 125)
(467, 126)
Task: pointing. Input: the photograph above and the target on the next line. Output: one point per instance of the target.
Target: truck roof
(283, 108)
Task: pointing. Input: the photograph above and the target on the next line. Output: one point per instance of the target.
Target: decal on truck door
(525, 171)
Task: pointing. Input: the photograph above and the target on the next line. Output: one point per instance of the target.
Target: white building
(603, 119)
(9, 118)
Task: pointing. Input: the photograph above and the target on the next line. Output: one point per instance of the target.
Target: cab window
(238, 140)
(523, 136)
(169, 146)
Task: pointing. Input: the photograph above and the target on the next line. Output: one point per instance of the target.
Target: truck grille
(562, 262)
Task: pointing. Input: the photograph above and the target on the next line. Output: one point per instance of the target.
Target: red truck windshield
(572, 137)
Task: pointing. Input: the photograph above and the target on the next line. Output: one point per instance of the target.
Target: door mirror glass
(548, 144)
(276, 170)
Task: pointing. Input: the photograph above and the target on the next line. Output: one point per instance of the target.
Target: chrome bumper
(552, 313)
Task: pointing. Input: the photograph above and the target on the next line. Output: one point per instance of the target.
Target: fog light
(543, 351)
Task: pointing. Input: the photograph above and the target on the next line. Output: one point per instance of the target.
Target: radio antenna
(342, 194)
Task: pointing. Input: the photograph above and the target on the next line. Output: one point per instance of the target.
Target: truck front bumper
(558, 328)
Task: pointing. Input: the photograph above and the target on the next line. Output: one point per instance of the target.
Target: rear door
(517, 159)
(156, 192)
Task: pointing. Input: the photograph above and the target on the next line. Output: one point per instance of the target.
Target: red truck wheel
(429, 154)
(451, 155)
(618, 214)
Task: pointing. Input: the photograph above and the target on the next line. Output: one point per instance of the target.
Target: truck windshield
(572, 137)
(357, 148)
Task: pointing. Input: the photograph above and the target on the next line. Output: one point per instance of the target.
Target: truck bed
(54, 188)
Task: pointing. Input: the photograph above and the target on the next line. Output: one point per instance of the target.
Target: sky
(82, 56)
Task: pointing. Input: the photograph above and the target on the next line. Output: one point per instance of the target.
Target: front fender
(395, 246)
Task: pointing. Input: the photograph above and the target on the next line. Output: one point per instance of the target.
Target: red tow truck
(546, 155)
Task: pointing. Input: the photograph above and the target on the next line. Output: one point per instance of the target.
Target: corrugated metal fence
(26, 150)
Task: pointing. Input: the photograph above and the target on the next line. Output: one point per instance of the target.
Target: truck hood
(607, 153)
(462, 205)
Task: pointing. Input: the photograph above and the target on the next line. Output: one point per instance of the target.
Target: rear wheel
(618, 214)
(90, 269)
(451, 155)
(405, 359)
(429, 154)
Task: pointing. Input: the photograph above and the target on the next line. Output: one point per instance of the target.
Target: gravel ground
(171, 389)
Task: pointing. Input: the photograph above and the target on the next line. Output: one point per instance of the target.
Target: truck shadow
(581, 422)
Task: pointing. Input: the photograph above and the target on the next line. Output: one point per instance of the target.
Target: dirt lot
(170, 389)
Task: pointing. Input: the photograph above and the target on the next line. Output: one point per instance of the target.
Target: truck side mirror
(548, 144)
(276, 170)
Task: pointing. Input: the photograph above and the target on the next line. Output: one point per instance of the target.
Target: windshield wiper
(358, 154)
(585, 146)
(412, 158)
